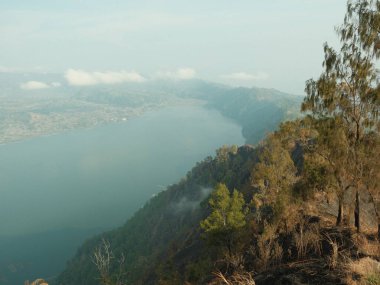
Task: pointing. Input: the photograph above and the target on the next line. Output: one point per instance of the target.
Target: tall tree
(330, 145)
(274, 175)
(226, 218)
(345, 98)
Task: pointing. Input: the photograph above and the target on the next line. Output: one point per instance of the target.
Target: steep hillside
(164, 236)
(257, 110)
(288, 237)
(167, 227)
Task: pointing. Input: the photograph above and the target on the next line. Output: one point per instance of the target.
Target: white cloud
(83, 78)
(179, 74)
(79, 77)
(55, 84)
(243, 76)
(34, 85)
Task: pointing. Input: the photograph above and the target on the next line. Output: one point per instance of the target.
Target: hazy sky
(265, 43)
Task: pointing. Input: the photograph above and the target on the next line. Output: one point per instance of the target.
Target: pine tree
(227, 216)
(344, 102)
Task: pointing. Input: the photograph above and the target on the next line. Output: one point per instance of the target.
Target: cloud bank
(243, 76)
(186, 204)
(179, 74)
(79, 77)
(34, 85)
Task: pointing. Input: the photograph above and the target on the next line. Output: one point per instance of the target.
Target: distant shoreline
(133, 113)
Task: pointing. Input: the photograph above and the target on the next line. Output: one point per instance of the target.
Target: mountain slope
(167, 227)
(163, 245)
(257, 110)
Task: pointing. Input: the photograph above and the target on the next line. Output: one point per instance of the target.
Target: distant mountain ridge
(257, 110)
(28, 113)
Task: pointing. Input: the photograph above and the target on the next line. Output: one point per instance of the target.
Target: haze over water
(97, 178)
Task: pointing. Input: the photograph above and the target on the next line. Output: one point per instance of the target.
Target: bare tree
(103, 258)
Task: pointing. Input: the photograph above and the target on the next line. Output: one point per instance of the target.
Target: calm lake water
(97, 178)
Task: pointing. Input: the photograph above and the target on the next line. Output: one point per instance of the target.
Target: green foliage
(222, 154)
(343, 103)
(275, 171)
(373, 279)
(316, 177)
(274, 176)
(227, 211)
(224, 225)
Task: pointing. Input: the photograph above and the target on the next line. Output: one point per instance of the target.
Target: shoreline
(133, 113)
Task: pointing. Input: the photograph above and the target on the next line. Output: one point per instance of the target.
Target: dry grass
(236, 279)
(307, 240)
(277, 253)
(332, 259)
(367, 268)
(234, 260)
(365, 246)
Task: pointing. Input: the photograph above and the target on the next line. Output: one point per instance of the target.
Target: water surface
(100, 177)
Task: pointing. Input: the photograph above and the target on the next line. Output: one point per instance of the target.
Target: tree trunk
(339, 219)
(375, 204)
(357, 211)
(347, 217)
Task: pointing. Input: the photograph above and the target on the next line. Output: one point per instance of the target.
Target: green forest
(300, 207)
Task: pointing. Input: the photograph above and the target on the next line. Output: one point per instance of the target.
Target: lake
(56, 191)
(97, 178)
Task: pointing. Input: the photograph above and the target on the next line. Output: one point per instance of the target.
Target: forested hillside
(258, 110)
(167, 227)
(302, 207)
